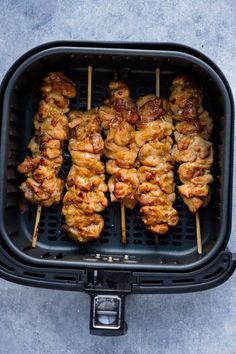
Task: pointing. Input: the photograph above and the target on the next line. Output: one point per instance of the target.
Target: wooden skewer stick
(122, 207)
(158, 95)
(89, 94)
(123, 225)
(198, 233)
(36, 226)
(158, 82)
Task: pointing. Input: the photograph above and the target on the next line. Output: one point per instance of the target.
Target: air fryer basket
(120, 267)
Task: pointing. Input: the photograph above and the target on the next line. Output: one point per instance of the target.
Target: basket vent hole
(127, 242)
(27, 248)
(46, 255)
(52, 238)
(65, 238)
(53, 217)
(150, 242)
(176, 237)
(137, 242)
(52, 224)
(66, 278)
(190, 237)
(138, 234)
(182, 281)
(176, 243)
(104, 240)
(34, 275)
(163, 243)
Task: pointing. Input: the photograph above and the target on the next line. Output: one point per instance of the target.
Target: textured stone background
(44, 321)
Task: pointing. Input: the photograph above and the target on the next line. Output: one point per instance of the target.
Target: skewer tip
(123, 225)
(36, 226)
(198, 234)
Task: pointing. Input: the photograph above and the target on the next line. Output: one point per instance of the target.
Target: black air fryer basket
(106, 269)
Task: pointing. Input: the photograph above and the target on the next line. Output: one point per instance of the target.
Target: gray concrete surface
(42, 321)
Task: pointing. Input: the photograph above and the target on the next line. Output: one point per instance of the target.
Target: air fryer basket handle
(107, 314)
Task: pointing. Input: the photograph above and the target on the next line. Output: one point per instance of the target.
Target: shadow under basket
(175, 252)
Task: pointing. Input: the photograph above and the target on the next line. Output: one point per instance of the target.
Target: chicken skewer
(156, 190)
(86, 186)
(192, 150)
(43, 186)
(158, 95)
(118, 115)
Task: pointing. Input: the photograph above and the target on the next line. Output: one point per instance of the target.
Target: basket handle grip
(107, 314)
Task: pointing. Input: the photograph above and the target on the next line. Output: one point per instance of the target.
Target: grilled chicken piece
(118, 105)
(106, 114)
(186, 97)
(123, 185)
(57, 129)
(192, 149)
(84, 179)
(157, 129)
(50, 109)
(28, 165)
(84, 123)
(120, 145)
(93, 144)
(193, 203)
(158, 176)
(196, 173)
(81, 227)
(42, 185)
(112, 167)
(156, 152)
(46, 193)
(125, 158)
(151, 107)
(58, 85)
(190, 190)
(89, 201)
(158, 218)
(43, 145)
(152, 194)
(203, 127)
(83, 159)
(120, 133)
